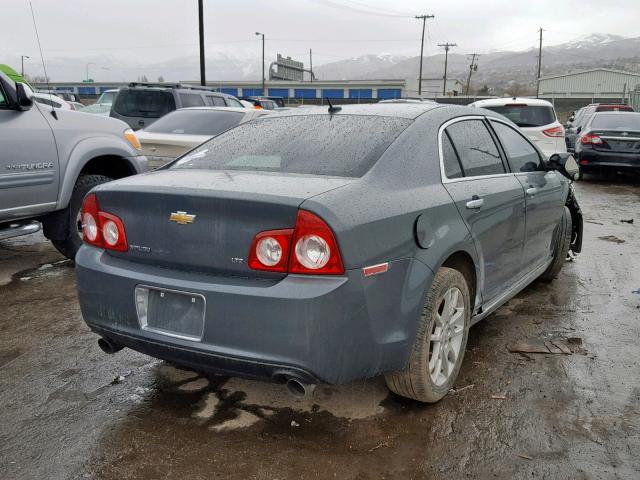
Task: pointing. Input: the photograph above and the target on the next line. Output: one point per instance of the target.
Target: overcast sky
(140, 32)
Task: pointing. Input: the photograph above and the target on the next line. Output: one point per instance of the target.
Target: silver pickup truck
(50, 159)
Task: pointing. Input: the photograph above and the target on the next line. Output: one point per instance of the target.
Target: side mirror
(24, 101)
(565, 164)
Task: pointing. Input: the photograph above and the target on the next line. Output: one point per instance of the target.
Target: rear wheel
(440, 343)
(563, 243)
(70, 245)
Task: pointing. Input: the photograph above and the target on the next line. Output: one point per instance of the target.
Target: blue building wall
(332, 93)
(385, 93)
(279, 92)
(229, 91)
(356, 93)
(305, 93)
(251, 92)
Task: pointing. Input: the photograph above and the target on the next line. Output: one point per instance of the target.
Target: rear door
(489, 198)
(29, 166)
(543, 194)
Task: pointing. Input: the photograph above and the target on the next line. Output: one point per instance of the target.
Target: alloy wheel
(446, 336)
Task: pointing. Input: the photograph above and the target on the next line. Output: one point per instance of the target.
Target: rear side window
(214, 101)
(475, 147)
(144, 103)
(452, 166)
(339, 145)
(523, 157)
(191, 100)
(196, 122)
(526, 115)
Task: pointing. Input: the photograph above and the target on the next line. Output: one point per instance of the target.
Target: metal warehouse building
(595, 83)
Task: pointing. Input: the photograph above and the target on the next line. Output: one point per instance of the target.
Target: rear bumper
(596, 160)
(324, 329)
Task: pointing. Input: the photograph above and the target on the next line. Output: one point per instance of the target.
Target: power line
(364, 11)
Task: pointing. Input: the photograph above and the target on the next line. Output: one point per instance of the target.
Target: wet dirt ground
(67, 410)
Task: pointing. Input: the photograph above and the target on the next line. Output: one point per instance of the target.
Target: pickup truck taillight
(102, 229)
(310, 248)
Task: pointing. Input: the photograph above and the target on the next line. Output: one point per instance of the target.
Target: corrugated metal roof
(589, 71)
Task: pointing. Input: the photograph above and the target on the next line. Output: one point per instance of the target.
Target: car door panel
(29, 166)
(489, 199)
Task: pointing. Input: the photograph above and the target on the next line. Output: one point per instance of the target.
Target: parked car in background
(324, 245)
(609, 142)
(67, 96)
(537, 119)
(261, 102)
(76, 106)
(52, 101)
(279, 101)
(582, 117)
(50, 160)
(141, 104)
(183, 129)
(97, 109)
(107, 97)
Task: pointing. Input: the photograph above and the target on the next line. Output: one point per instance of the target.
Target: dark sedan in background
(328, 245)
(580, 118)
(609, 142)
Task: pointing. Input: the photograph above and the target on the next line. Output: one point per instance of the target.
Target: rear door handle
(475, 203)
(531, 191)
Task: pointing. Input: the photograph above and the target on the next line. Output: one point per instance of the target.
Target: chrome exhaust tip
(299, 389)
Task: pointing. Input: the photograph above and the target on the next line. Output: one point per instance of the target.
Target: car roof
(216, 109)
(500, 102)
(399, 110)
(176, 86)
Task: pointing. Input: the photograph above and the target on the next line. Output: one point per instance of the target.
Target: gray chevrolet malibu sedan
(327, 245)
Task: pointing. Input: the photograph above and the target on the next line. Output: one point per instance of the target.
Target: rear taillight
(102, 229)
(590, 139)
(310, 248)
(270, 250)
(554, 132)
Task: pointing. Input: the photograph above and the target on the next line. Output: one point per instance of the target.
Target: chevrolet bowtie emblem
(182, 217)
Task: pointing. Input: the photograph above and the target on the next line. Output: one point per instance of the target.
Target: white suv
(536, 118)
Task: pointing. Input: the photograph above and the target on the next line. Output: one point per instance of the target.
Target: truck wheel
(562, 247)
(440, 343)
(71, 244)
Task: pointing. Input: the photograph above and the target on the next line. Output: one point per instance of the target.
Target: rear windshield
(341, 145)
(526, 115)
(612, 121)
(144, 103)
(614, 108)
(196, 122)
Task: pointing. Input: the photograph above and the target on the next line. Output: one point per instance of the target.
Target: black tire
(70, 245)
(563, 243)
(415, 381)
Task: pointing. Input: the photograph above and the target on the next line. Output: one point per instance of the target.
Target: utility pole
(446, 46)
(539, 65)
(424, 24)
(472, 68)
(262, 34)
(203, 78)
(311, 64)
(22, 57)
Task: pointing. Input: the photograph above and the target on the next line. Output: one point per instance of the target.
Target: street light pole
(203, 79)
(22, 57)
(263, 79)
(424, 24)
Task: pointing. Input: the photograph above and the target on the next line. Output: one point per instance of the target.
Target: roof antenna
(44, 67)
(332, 109)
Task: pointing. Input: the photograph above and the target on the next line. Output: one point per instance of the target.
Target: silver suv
(141, 104)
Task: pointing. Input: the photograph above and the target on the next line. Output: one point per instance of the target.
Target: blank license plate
(170, 312)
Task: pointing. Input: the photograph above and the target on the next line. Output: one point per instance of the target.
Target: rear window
(196, 122)
(614, 108)
(613, 121)
(144, 103)
(526, 115)
(340, 145)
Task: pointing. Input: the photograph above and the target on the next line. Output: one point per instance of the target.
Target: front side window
(523, 156)
(335, 145)
(476, 149)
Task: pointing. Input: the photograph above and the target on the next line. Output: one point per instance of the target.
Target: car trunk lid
(205, 220)
(623, 141)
